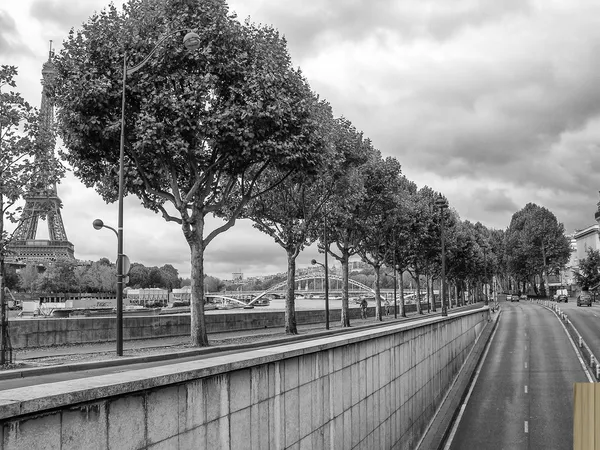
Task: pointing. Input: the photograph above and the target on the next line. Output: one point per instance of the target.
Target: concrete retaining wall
(372, 389)
(43, 332)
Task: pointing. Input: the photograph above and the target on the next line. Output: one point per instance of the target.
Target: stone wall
(43, 332)
(372, 389)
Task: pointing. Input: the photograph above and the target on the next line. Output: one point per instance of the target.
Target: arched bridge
(332, 277)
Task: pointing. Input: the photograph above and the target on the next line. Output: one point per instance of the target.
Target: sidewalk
(106, 350)
(42, 360)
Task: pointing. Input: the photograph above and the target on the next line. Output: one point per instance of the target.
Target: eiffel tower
(45, 202)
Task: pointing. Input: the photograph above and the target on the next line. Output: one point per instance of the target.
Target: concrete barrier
(375, 388)
(49, 331)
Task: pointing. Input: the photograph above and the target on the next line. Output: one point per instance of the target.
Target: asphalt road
(523, 396)
(586, 320)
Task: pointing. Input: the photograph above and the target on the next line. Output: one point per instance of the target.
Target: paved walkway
(181, 342)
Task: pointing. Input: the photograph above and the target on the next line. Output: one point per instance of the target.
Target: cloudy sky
(494, 103)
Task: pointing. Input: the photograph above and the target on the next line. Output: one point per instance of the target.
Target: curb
(437, 431)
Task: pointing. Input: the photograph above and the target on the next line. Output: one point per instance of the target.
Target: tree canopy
(202, 129)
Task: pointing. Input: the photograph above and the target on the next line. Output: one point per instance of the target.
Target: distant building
(182, 295)
(237, 276)
(147, 296)
(585, 239)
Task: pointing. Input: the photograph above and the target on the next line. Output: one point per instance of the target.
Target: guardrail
(588, 356)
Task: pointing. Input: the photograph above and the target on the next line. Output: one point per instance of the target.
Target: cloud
(317, 26)
(63, 14)
(11, 43)
(493, 103)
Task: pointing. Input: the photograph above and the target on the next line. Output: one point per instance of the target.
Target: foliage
(588, 274)
(376, 216)
(535, 243)
(340, 216)
(203, 128)
(58, 277)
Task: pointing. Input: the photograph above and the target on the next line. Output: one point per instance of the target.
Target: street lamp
(98, 224)
(313, 262)
(191, 41)
(443, 204)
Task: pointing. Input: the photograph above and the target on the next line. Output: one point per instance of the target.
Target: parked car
(508, 297)
(584, 298)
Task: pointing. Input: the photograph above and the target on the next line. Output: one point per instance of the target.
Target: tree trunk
(3, 315)
(402, 310)
(433, 307)
(290, 301)
(418, 283)
(199, 337)
(378, 314)
(345, 318)
(4, 350)
(428, 292)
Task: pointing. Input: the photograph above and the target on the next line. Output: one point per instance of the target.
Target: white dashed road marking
(526, 427)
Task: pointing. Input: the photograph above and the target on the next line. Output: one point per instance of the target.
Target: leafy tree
(376, 222)
(155, 278)
(290, 214)
(138, 276)
(212, 284)
(11, 278)
(59, 277)
(536, 242)
(425, 244)
(101, 277)
(340, 214)
(202, 129)
(401, 235)
(170, 277)
(588, 274)
(28, 277)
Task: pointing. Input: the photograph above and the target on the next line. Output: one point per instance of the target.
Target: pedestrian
(387, 307)
(363, 308)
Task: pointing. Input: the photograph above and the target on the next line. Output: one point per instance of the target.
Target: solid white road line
(581, 361)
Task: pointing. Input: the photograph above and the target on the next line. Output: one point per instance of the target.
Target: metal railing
(588, 356)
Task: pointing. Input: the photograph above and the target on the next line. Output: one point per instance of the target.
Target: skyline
(494, 105)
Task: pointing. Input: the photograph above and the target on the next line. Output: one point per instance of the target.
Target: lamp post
(98, 224)
(443, 204)
(313, 262)
(191, 41)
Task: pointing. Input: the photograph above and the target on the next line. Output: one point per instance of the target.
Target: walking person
(387, 307)
(363, 308)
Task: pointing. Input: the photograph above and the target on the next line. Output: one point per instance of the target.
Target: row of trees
(235, 131)
(67, 275)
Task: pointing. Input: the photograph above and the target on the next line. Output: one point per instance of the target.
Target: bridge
(359, 288)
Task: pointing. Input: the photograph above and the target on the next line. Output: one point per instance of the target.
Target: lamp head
(313, 262)
(191, 41)
(98, 224)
